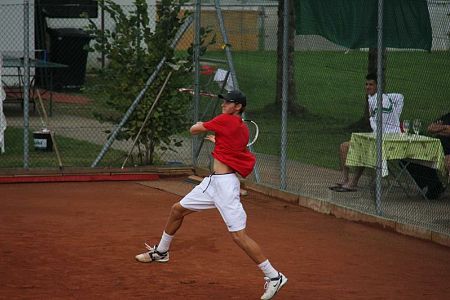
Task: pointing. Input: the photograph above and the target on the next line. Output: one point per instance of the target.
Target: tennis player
(221, 190)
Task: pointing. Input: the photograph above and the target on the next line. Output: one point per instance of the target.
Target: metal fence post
(284, 100)
(262, 29)
(379, 132)
(26, 83)
(196, 58)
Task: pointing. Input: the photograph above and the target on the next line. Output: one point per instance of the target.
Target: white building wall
(12, 32)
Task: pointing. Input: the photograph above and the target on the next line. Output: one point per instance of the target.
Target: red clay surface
(78, 241)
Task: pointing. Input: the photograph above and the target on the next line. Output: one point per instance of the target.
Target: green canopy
(353, 23)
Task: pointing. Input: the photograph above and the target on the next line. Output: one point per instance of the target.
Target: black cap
(235, 97)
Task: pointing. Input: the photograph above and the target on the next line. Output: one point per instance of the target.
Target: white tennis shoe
(152, 255)
(273, 285)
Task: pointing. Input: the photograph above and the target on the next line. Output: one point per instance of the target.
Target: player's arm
(198, 128)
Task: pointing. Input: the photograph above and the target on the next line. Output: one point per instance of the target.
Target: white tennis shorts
(219, 191)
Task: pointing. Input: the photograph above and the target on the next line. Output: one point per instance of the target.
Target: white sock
(268, 270)
(164, 243)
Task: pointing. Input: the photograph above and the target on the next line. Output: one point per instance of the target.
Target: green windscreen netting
(353, 23)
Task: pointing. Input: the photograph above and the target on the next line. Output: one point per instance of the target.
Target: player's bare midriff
(221, 168)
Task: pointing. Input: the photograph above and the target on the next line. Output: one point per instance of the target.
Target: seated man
(441, 129)
(427, 178)
(392, 108)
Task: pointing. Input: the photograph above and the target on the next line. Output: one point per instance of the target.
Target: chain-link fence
(329, 104)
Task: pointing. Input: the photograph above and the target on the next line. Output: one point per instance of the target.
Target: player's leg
(274, 279)
(249, 246)
(176, 217)
(225, 189)
(160, 251)
(194, 201)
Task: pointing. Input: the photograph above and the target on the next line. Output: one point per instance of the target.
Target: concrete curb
(164, 171)
(351, 215)
(91, 174)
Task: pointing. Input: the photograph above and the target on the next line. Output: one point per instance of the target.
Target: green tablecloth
(362, 151)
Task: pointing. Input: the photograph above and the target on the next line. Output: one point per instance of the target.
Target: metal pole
(26, 81)
(102, 27)
(379, 131)
(284, 100)
(139, 97)
(227, 47)
(226, 44)
(262, 29)
(196, 58)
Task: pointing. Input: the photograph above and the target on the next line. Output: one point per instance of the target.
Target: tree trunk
(363, 123)
(293, 108)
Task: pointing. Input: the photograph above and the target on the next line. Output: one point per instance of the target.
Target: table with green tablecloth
(401, 147)
(396, 146)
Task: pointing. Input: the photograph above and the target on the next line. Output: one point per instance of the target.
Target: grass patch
(74, 153)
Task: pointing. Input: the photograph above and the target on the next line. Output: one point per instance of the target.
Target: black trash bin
(67, 47)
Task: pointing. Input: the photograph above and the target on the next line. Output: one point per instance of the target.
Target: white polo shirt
(392, 109)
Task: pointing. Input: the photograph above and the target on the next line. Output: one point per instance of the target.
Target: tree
(133, 51)
(293, 107)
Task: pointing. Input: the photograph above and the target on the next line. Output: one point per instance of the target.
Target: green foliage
(133, 50)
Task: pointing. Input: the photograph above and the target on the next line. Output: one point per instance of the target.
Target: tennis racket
(253, 130)
(191, 91)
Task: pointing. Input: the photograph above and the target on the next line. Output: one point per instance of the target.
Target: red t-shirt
(231, 143)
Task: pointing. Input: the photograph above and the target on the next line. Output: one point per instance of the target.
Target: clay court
(77, 240)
